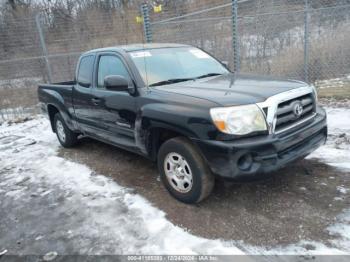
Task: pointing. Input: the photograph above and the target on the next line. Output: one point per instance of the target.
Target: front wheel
(66, 137)
(184, 172)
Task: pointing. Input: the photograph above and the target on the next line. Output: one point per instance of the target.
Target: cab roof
(135, 47)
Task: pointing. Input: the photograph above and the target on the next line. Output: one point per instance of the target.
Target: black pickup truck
(180, 107)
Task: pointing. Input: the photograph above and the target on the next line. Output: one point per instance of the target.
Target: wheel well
(52, 111)
(157, 137)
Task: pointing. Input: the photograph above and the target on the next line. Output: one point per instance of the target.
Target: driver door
(116, 109)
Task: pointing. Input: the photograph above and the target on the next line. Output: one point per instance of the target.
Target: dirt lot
(51, 203)
(295, 203)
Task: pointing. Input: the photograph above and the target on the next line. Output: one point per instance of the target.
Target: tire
(65, 136)
(189, 164)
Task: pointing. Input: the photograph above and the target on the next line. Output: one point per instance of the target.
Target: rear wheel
(184, 172)
(66, 137)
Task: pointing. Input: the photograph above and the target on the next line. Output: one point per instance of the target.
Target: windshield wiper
(171, 81)
(207, 75)
(177, 80)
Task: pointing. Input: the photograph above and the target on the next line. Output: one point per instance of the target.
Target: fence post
(235, 39)
(306, 41)
(146, 23)
(43, 46)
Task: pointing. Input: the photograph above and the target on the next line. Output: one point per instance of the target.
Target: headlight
(314, 91)
(239, 120)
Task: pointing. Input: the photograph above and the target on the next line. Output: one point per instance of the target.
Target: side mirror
(116, 83)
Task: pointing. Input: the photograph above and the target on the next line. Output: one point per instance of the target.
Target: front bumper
(245, 157)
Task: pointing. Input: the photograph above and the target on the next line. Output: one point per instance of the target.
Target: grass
(341, 92)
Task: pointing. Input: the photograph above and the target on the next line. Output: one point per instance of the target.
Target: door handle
(95, 101)
(121, 124)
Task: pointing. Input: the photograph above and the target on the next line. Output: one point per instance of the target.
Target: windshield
(172, 65)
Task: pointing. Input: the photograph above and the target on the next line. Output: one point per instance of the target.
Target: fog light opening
(245, 162)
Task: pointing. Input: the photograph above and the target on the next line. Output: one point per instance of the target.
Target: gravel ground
(52, 206)
(87, 200)
(295, 203)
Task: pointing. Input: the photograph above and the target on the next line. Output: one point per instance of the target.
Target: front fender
(191, 122)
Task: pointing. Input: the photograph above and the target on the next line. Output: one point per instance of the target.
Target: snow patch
(336, 152)
(129, 221)
(342, 189)
(126, 222)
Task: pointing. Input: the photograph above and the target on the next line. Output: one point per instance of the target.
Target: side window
(85, 70)
(110, 65)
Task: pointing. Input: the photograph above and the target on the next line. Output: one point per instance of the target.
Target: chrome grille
(286, 115)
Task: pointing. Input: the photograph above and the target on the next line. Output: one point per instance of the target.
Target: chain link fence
(43, 45)
(209, 28)
(67, 38)
(301, 39)
(21, 66)
(307, 41)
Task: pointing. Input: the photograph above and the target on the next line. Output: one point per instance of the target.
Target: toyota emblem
(298, 110)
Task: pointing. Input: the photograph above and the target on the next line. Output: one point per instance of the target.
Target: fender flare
(57, 101)
(159, 116)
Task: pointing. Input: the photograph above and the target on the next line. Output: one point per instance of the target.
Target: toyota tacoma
(182, 108)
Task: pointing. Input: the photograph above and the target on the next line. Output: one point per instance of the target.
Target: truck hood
(233, 89)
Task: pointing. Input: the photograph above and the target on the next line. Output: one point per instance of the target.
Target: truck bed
(59, 95)
(66, 84)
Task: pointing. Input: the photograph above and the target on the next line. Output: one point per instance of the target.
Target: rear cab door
(82, 95)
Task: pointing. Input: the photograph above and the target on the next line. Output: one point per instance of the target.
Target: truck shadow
(293, 204)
